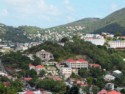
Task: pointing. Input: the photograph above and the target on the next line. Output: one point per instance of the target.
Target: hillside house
(81, 63)
(44, 55)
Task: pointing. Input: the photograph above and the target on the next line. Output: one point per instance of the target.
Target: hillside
(83, 25)
(113, 23)
(12, 34)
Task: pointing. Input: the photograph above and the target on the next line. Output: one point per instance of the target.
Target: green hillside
(113, 23)
(83, 25)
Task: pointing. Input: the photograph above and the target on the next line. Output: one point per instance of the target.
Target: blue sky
(48, 13)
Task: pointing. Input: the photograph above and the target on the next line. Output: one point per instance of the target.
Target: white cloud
(114, 7)
(68, 6)
(33, 7)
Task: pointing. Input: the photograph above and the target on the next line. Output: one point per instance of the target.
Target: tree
(73, 90)
(42, 73)
(65, 39)
(7, 90)
(37, 61)
(83, 72)
(51, 85)
(31, 73)
(90, 80)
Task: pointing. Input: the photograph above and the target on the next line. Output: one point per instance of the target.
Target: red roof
(102, 92)
(81, 60)
(27, 79)
(40, 66)
(75, 61)
(29, 92)
(70, 60)
(113, 92)
(95, 65)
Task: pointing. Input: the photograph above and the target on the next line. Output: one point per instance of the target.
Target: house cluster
(117, 44)
(71, 66)
(35, 92)
(94, 39)
(37, 68)
(113, 75)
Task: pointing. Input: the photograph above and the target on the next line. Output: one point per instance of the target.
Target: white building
(109, 77)
(117, 44)
(95, 39)
(66, 72)
(117, 73)
(3, 73)
(81, 63)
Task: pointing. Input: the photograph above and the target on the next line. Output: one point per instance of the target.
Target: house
(30, 92)
(31, 66)
(66, 72)
(27, 78)
(110, 86)
(80, 63)
(109, 77)
(3, 73)
(95, 39)
(44, 55)
(113, 92)
(110, 92)
(117, 73)
(37, 68)
(95, 66)
(102, 92)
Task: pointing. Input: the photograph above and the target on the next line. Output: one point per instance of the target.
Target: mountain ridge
(115, 22)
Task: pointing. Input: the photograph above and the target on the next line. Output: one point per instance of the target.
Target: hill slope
(113, 23)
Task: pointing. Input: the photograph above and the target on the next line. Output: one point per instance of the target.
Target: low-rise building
(81, 63)
(95, 66)
(109, 77)
(117, 73)
(117, 44)
(44, 55)
(95, 39)
(37, 68)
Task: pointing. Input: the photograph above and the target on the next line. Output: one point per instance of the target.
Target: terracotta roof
(31, 65)
(70, 60)
(40, 66)
(113, 92)
(29, 92)
(27, 78)
(95, 65)
(102, 92)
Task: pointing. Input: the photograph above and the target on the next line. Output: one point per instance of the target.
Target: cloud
(68, 6)
(33, 7)
(114, 7)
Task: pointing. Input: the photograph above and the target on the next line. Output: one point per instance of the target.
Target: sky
(49, 13)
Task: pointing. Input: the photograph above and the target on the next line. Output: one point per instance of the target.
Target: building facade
(81, 63)
(44, 55)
